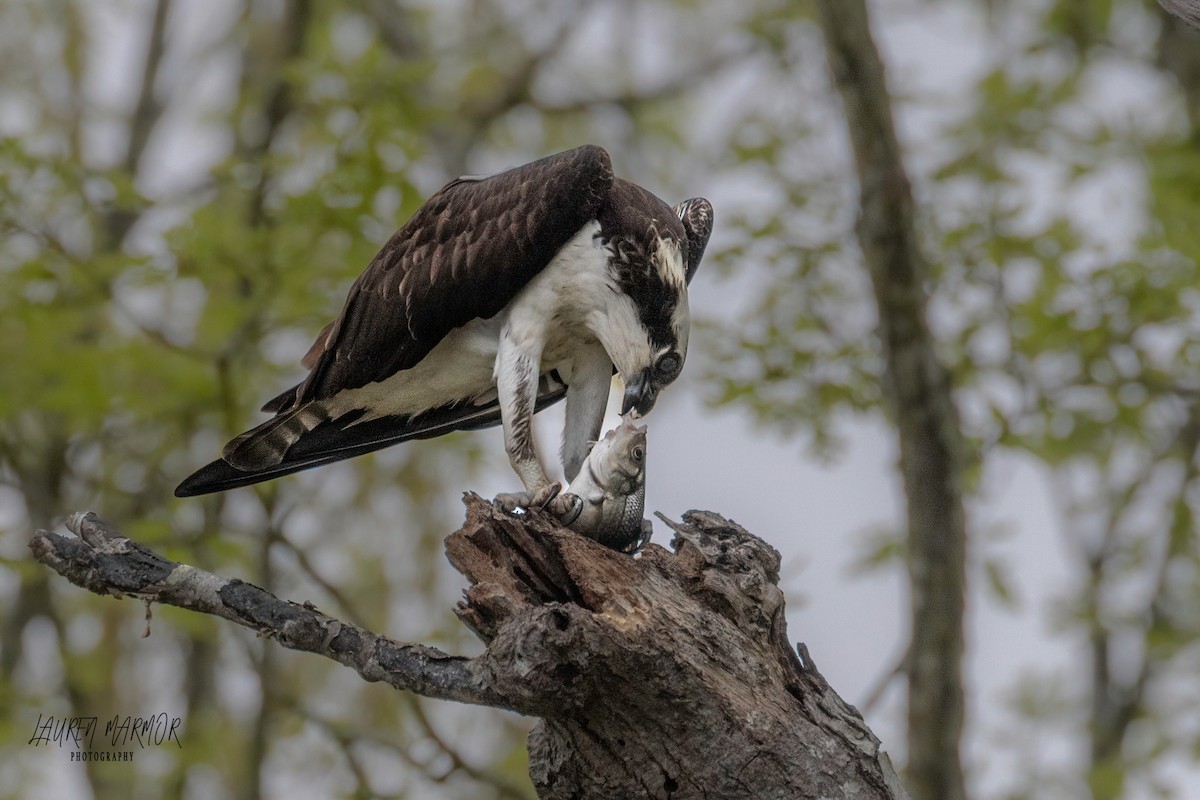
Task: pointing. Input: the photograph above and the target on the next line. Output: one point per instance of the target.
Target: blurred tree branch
(148, 110)
(695, 74)
(278, 94)
(394, 26)
(918, 390)
(615, 655)
(1117, 697)
(348, 741)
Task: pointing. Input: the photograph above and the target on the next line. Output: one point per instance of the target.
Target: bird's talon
(545, 496)
(567, 508)
(513, 502)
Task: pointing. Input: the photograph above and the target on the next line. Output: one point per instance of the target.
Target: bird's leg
(517, 367)
(587, 399)
(517, 372)
(588, 384)
(516, 386)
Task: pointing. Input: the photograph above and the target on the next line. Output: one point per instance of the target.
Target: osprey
(499, 297)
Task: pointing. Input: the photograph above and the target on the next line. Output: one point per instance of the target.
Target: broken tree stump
(669, 675)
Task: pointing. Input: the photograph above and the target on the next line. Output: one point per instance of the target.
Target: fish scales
(611, 487)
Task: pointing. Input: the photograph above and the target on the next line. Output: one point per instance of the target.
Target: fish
(611, 490)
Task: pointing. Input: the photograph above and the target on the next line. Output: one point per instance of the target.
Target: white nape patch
(668, 260)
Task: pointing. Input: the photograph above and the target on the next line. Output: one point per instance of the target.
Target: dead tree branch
(919, 392)
(1186, 10)
(669, 675)
(102, 561)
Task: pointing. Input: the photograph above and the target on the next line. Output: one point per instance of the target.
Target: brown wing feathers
(696, 215)
(463, 255)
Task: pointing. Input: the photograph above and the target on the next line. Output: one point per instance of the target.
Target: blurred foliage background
(187, 188)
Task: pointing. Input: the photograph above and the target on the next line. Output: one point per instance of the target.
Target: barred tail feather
(267, 445)
(308, 437)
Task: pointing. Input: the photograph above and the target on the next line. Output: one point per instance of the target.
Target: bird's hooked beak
(640, 394)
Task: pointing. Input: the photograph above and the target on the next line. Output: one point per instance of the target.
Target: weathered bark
(1179, 56)
(1187, 10)
(668, 675)
(918, 390)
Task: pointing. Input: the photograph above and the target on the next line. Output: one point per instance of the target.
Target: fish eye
(638, 453)
(668, 366)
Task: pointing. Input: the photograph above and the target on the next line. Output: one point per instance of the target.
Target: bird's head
(654, 355)
(642, 387)
(653, 253)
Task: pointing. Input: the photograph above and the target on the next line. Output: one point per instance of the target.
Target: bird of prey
(500, 296)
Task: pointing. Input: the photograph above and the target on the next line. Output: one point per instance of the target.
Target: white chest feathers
(575, 300)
